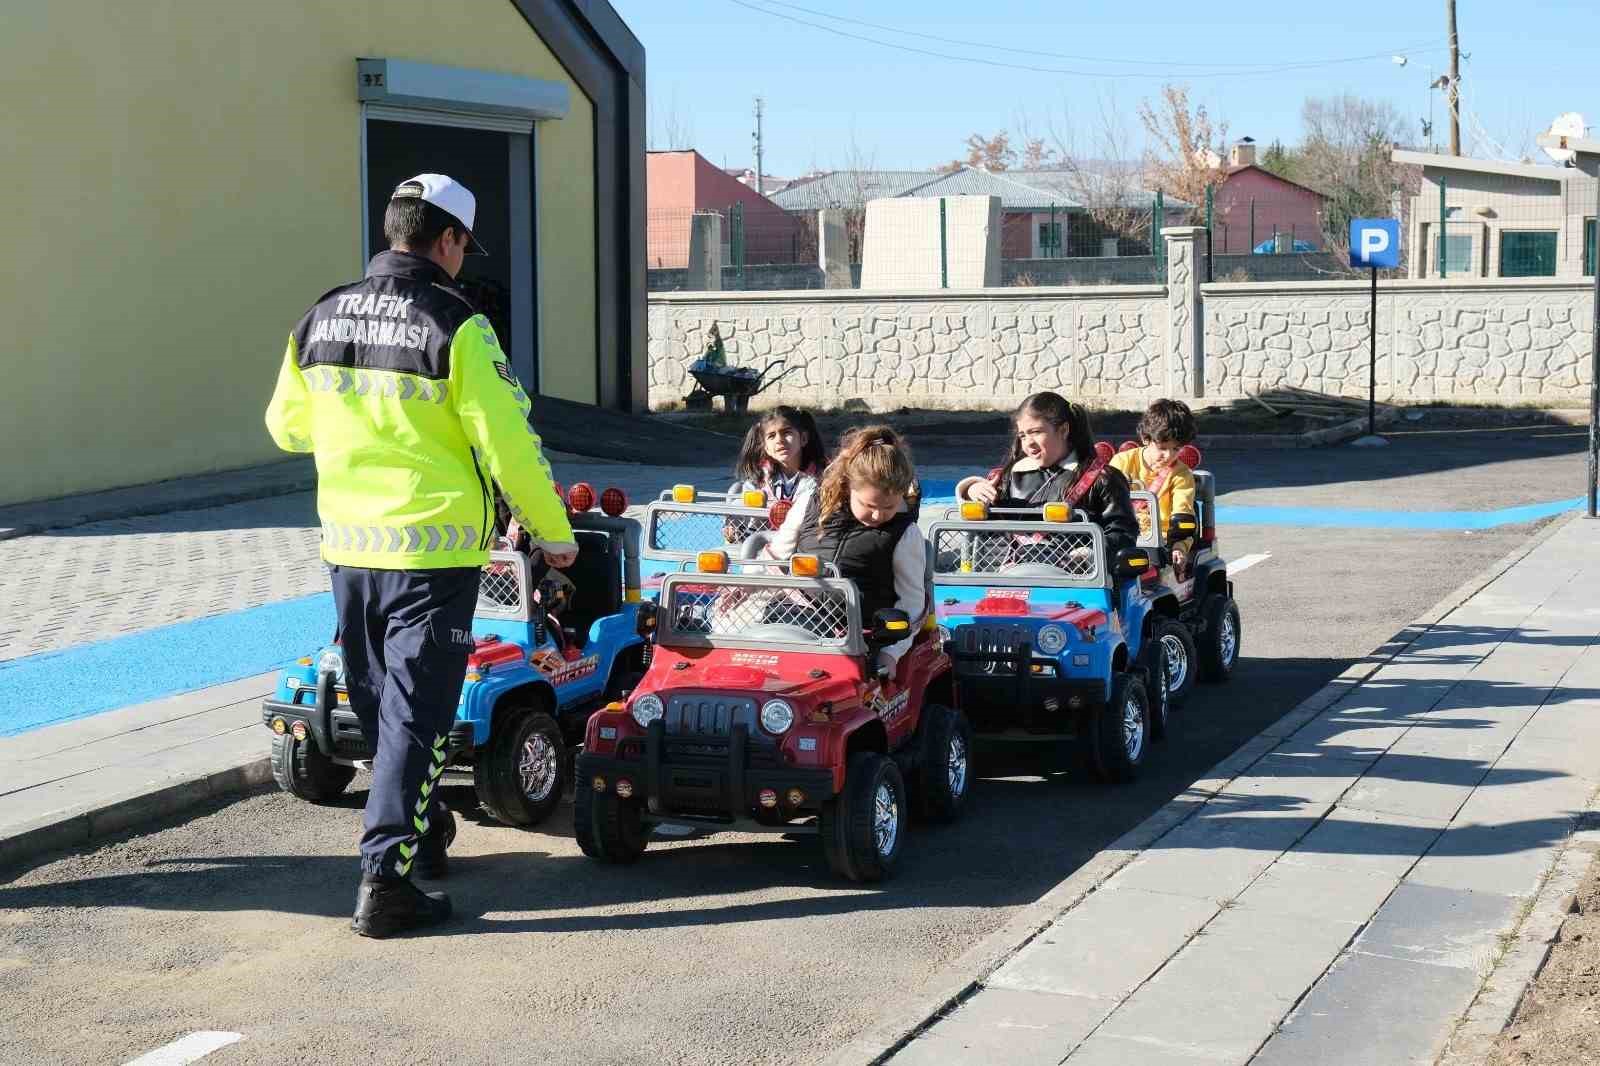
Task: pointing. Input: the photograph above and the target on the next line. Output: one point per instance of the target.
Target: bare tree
(986, 153)
(1187, 148)
(1345, 155)
(674, 133)
(1102, 172)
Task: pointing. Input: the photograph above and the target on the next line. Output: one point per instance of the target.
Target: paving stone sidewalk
(1344, 899)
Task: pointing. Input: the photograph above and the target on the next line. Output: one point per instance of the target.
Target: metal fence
(1256, 230)
(1527, 229)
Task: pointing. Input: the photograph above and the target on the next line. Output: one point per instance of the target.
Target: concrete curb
(914, 1011)
(160, 497)
(132, 810)
(1529, 946)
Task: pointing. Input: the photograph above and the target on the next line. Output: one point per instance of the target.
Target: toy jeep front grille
(707, 716)
(997, 640)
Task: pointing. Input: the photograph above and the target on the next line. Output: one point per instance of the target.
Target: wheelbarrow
(735, 384)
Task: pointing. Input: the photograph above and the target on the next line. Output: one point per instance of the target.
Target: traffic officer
(406, 399)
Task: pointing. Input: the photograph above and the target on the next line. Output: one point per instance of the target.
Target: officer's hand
(561, 560)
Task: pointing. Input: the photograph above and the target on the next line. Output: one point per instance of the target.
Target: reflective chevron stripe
(375, 382)
(408, 539)
(409, 847)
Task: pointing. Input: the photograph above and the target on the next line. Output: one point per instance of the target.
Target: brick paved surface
(108, 579)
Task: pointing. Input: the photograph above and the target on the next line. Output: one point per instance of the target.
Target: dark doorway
(489, 163)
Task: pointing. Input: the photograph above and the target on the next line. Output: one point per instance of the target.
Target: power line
(1073, 73)
(1435, 44)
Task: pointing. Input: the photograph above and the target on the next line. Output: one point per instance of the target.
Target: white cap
(449, 196)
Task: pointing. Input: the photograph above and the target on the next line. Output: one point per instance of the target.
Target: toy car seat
(597, 575)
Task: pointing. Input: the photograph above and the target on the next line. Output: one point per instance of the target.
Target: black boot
(387, 905)
(431, 863)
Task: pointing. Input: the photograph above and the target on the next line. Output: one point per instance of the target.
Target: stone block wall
(1501, 341)
(983, 348)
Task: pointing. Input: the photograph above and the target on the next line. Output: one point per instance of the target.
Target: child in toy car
(1166, 437)
(1053, 459)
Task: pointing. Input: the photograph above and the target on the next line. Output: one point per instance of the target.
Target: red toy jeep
(761, 712)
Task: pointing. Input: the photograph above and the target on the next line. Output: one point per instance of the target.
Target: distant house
(1251, 206)
(747, 176)
(680, 183)
(1041, 217)
(1499, 220)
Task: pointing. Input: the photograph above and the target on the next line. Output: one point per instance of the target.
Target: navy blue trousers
(406, 635)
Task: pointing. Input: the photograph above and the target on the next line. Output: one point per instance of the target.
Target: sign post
(1374, 244)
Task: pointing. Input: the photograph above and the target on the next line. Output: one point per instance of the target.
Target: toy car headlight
(1051, 639)
(647, 708)
(777, 716)
(331, 661)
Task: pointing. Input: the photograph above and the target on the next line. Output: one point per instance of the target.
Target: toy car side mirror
(1133, 562)
(644, 621)
(889, 625)
(1182, 527)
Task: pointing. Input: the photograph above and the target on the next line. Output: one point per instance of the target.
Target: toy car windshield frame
(1092, 575)
(505, 589)
(746, 597)
(661, 515)
(1156, 537)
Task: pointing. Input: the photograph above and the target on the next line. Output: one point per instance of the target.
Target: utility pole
(758, 147)
(1454, 89)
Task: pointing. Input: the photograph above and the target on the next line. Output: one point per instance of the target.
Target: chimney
(1243, 154)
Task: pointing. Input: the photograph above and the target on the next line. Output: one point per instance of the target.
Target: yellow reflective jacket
(403, 394)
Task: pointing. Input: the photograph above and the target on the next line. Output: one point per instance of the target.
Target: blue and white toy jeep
(1051, 640)
(530, 686)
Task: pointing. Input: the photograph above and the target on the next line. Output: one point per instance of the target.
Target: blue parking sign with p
(1375, 242)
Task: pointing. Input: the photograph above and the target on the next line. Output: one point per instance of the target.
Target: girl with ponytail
(1051, 450)
(861, 521)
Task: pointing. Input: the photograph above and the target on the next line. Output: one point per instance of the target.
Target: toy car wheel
(608, 827)
(1157, 680)
(1219, 644)
(863, 827)
(1183, 659)
(521, 776)
(1122, 730)
(301, 770)
(946, 774)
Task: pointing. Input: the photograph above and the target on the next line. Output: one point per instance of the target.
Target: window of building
(1455, 252)
(1528, 253)
(1050, 238)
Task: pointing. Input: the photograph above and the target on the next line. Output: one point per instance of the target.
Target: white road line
(188, 1049)
(1240, 565)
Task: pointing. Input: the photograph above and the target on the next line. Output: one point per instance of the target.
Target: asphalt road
(727, 949)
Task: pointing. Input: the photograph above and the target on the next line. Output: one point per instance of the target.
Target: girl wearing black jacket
(1053, 444)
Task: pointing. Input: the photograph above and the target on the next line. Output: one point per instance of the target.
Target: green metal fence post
(1252, 246)
(944, 260)
(1210, 189)
(737, 242)
(1441, 243)
(1158, 219)
(1055, 243)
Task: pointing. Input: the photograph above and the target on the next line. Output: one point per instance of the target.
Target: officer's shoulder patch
(503, 368)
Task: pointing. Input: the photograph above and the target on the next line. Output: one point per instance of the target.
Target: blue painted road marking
(1350, 518)
(59, 686)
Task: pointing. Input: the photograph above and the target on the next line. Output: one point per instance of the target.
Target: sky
(832, 101)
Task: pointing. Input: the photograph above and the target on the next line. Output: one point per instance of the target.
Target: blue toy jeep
(532, 681)
(684, 522)
(1050, 639)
